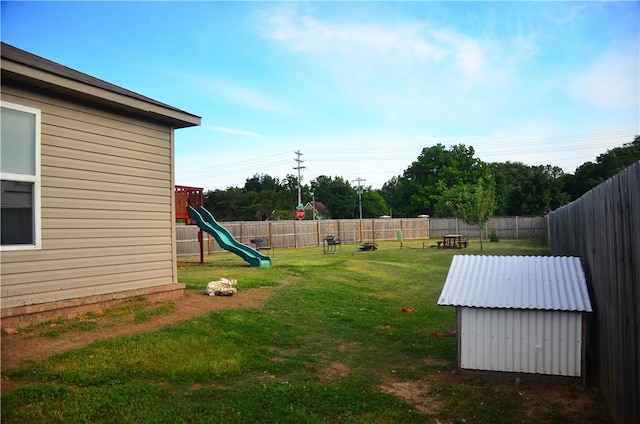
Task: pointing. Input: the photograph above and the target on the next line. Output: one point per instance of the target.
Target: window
(20, 177)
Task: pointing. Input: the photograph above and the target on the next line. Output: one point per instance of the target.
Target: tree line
(441, 182)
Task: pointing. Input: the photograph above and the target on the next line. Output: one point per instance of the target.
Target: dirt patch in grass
(448, 395)
(335, 370)
(434, 362)
(40, 342)
(453, 396)
(415, 393)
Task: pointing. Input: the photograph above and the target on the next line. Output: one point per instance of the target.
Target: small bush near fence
(287, 234)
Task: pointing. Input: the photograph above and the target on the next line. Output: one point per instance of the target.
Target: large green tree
(423, 183)
(337, 195)
(527, 190)
(262, 197)
(608, 164)
(373, 204)
(227, 205)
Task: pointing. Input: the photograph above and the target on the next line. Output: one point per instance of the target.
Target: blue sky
(358, 87)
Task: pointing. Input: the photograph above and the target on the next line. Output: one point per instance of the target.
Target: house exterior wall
(106, 197)
(521, 341)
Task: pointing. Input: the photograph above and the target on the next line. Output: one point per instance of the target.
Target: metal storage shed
(522, 314)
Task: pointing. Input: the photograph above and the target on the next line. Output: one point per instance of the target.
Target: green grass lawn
(324, 348)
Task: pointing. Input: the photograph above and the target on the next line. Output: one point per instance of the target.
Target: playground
(189, 201)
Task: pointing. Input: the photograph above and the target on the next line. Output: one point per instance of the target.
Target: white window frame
(35, 179)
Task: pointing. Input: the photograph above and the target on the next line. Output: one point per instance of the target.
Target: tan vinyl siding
(106, 206)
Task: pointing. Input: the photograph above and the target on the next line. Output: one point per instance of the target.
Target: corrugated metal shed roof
(516, 282)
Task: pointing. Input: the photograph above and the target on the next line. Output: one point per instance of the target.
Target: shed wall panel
(525, 341)
(106, 196)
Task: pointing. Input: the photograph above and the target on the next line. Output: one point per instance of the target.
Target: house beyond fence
(290, 233)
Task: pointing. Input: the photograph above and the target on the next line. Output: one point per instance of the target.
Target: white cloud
(313, 36)
(246, 96)
(411, 66)
(234, 131)
(238, 93)
(470, 55)
(572, 14)
(427, 139)
(611, 82)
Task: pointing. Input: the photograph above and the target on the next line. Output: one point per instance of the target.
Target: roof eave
(77, 89)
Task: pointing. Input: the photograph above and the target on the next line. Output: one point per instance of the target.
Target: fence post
(200, 242)
(517, 227)
(271, 240)
(428, 227)
(373, 231)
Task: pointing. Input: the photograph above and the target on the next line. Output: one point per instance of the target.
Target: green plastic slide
(225, 239)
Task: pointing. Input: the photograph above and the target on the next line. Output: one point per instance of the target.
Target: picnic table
(452, 241)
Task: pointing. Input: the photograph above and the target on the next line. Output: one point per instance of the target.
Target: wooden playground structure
(194, 197)
(187, 196)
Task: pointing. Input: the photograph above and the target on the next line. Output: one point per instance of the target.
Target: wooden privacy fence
(285, 234)
(603, 229)
(504, 227)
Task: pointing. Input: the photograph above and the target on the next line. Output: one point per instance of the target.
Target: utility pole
(299, 167)
(360, 180)
(313, 197)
